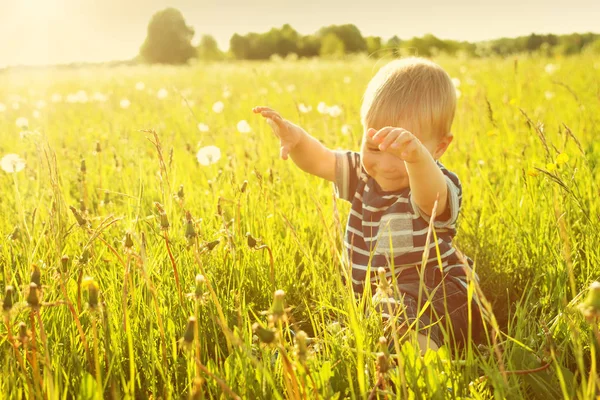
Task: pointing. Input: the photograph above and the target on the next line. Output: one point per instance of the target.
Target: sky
(39, 32)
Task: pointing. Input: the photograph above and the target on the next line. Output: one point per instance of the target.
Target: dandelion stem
(166, 236)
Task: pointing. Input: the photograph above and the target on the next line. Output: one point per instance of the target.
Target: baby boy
(393, 183)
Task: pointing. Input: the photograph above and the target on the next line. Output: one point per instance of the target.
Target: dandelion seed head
(22, 123)
(12, 163)
(140, 86)
(56, 98)
(203, 127)
(2, 107)
(456, 82)
(304, 108)
(218, 107)
(549, 95)
(208, 155)
(550, 68)
(334, 111)
(243, 127)
(125, 103)
(322, 108)
(99, 97)
(36, 114)
(346, 129)
(162, 93)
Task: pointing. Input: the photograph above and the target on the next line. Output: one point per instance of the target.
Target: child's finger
(389, 139)
(284, 151)
(381, 134)
(260, 109)
(402, 140)
(371, 132)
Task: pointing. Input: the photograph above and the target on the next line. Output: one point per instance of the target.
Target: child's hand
(399, 142)
(289, 134)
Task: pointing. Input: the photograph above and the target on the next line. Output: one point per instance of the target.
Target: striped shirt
(387, 229)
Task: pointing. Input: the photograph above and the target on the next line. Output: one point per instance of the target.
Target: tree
(169, 39)
(373, 44)
(332, 45)
(349, 34)
(239, 46)
(208, 49)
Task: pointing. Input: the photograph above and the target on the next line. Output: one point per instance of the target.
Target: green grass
(533, 232)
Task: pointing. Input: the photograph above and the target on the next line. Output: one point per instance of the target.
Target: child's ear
(443, 145)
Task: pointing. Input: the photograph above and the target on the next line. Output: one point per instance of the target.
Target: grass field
(105, 281)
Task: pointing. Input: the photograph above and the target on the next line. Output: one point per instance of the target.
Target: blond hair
(413, 92)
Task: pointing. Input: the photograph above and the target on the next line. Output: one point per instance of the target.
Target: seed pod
(164, 220)
(128, 243)
(64, 264)
(264, 334)
(80, 220)
(98, 147)
(180, 193)
(15, 234)
(383, 346)
(243, 187)
(33, 298)
(190, 231)
(301, 346)
(190, 331)
(85, 256)
(82, 167)
(278, 306)
(383, 287)
(200, 282)
(106, 197)
(251, 241)
(23, 333)
(93, 294)
(9, 295)
(36, 275)
(383, 364)
(212, 245)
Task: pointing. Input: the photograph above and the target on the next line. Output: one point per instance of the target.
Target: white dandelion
(12, 163)
(56, 98)
(22, 123)
(99, 97)
(226, 93)
(550, 68)
(322, 108)
(2, 107)
(346, 129)
(140, 86)
(202, 127)
(125, 103)
(304, 108)
(40, 104)
(218, 107)
(291, 88)
(335, 111)
(36, 114)
(549, 95)
(208, 155)
(456, 82)
(347, 80)
(243, 127)
(82, 96)
(162, 93)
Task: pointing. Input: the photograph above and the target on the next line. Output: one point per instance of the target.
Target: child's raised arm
(307, 152)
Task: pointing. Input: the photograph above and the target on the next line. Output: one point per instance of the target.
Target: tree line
(169, 40)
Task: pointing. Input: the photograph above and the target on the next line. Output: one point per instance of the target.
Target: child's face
(387, 169)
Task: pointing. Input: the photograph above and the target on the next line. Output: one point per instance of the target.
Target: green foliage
(208, 49)
(169, 39)
(332, 45)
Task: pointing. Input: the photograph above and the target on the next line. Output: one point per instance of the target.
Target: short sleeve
(450, 216)
(347, 174)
